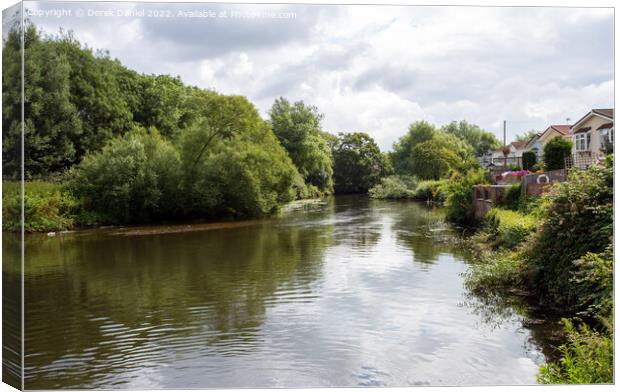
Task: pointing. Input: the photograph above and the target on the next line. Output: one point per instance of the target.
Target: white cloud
(377, 69)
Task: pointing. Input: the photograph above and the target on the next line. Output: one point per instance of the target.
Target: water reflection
(352, 293)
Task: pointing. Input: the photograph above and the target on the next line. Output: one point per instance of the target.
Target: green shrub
(494, 271)
(587, 358)
(577, 218)
(512, 197)
(431, 190)
(529, 160)
(556, 151)
(133, 179)
(394, 187)
(46, 206)
(536, 167)
(593, 281)
(510, 228)
(459, 197)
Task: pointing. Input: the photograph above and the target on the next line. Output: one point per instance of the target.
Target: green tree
(132, 179)
(526, 136)
(556, 151)
(298, 127)
(358, 163)
(529, 159)
(419, 132)
(481, 141)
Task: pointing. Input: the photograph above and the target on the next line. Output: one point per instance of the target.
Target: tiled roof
(605, 126)
(563, 129)
(519, 144)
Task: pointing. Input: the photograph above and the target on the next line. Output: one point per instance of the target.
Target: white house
(592, 135)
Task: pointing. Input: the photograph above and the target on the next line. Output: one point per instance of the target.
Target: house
(593, 136)
(514, 155)
(537, 143)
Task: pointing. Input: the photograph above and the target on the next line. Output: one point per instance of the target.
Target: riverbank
(558, 249)
(49, 207)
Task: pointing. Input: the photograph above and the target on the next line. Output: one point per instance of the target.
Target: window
(582, 141)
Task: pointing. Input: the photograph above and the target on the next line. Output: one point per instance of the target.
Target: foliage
(431, 154)
(358, 163)
(556, 151)
(431, 190)
(512, 196)
(132, 179)
(298, 127)
(526, 136)
(587, 358)
(577, 219)
(459, 204)
(509, 228)
(593, 282)
(394, 187)
(528, 160)
(494, 271)
(480, 140)
(419, 132)
(46, 206)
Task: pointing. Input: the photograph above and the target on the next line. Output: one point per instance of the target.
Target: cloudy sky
(368, 68)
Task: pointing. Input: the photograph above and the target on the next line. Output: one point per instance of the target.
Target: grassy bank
(558, 250)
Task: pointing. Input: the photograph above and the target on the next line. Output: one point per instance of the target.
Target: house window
(582, 141)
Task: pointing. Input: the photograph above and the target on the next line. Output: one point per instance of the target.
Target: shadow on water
(177, 289)
(349, 292)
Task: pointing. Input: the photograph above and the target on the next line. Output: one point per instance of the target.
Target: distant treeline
(130, 147)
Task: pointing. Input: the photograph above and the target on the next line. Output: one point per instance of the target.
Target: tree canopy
(358, 163)
(298, 128)
(481, 141)
(430, 153)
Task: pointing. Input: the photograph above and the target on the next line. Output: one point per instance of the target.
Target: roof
(519, 144)
(563, 129)
(606, 126)
(605, 113)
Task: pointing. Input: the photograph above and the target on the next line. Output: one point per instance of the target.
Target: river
(354, 292)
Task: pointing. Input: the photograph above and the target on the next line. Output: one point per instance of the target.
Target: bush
(528, 159)
(133, 179)
(394, 187)
(509, 228)
(495, 271)
(593, 280)
(587, 358)
(577, 219)
(46, 206)
(459, 206)
(555, 151)
(512, 197)
(431, 190)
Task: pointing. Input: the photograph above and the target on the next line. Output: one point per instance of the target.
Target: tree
(526, 136)
(73, 102)
(298, 128)
(433, 159)
(528, 159)
(556, 151)
(358, 163)
(419, 132)
(481, 141)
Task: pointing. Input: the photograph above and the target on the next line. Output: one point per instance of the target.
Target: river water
(354, 292)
